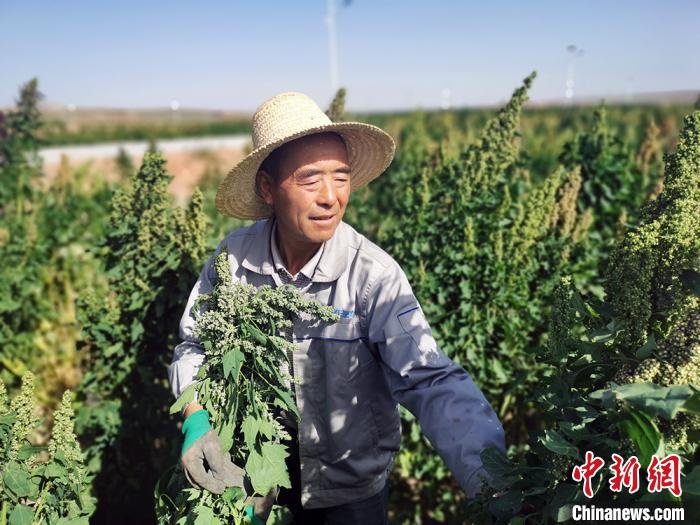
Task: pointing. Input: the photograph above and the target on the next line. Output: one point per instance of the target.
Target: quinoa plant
(150, 253)
(40, 484)
(336, 111)
(483, 247)
(625, 371)
(44, 234)
(242, 388)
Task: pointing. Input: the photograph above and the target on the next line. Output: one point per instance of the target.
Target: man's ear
(263, 186)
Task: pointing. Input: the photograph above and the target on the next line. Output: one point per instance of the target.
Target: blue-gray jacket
(352, 373)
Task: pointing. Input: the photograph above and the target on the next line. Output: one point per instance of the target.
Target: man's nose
(327, 192)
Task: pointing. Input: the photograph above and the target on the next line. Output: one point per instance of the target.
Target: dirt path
(187, 160)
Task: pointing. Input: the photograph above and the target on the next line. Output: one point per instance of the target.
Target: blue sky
(391, 54)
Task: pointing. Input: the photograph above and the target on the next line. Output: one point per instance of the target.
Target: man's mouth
(322, 217)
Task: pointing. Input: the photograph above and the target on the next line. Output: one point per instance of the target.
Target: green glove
(250, 512)
(194, 427)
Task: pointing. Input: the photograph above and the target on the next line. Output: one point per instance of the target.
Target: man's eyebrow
(312, 171)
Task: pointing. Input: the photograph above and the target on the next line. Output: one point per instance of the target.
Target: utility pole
(574, 52)
(332, 45)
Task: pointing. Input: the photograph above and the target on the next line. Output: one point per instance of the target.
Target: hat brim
(370, 151)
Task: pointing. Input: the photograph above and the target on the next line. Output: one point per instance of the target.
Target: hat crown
(283, 115)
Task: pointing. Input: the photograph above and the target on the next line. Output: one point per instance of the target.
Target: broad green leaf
(226, 435)
(232, 362)
(555, 442)
(266, 428)
(55, 470)
(18, 481)
(506, 505)
(581, 307)
(663, 401)
(497, 369)
(186, 397)
(642, 430)
(692, 405)
(205, 516)
(268, 469)
(250, 427)
(495, 462)
(21, 515)
(691, 483)
(560, 506)
(27, 451)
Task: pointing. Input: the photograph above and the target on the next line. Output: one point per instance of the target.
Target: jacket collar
(334, 258)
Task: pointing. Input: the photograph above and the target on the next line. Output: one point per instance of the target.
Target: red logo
(661, 473)
(665, 474)
(586, 472)
(625, 474)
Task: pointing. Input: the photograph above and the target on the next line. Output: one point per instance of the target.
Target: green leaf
(232, 494)
(642, 430)
(266, 428)
(226, 435)
(54, 470)
(27, 451)
(286, 398)
(497, 369)
(186, 397)
(506, 505)
(21, 515)
(136, 330)
(581, 307)
(645, 350)
(205, 516)
(495, 462)
(691, 483)
(655, 400)
(232, 362)
(254, 332)
(560, 506)
(555, 442)
(18, 481)
(250, 427)
(604, 334)
(692, 405)
(268, 469)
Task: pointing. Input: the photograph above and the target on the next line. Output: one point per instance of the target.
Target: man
(352, 373)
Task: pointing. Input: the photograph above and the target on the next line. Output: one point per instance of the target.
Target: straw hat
(288, 116)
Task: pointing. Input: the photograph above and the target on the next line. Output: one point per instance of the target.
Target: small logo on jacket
(345, 314)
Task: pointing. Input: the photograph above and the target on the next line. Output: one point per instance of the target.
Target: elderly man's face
(312, 189)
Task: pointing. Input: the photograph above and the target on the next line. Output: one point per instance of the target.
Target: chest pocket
(343, 390)
(341, 346)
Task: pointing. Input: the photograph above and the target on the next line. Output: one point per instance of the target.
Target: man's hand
(202, 446)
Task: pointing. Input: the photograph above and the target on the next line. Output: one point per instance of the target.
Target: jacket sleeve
(453, 413)
(188, 355)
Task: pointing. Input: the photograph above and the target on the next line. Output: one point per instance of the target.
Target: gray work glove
(202, 449)
(222, 473)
